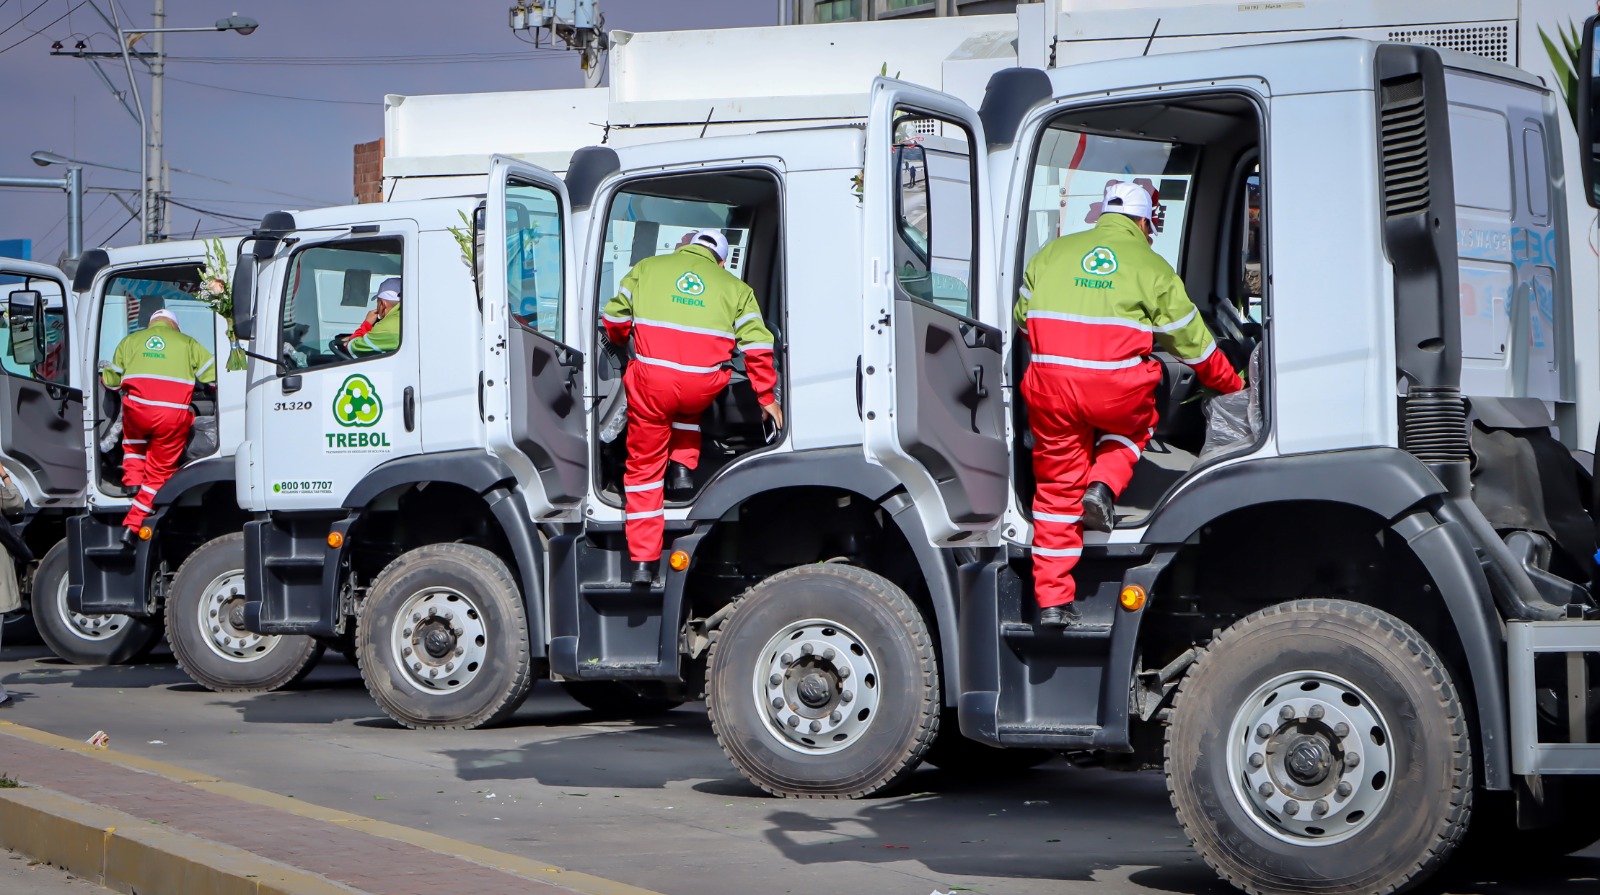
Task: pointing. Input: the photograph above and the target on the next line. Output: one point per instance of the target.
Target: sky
(266, 120)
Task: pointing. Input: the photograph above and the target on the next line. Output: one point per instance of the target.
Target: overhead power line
(222, 215)
(302, 99)
(422, 59)
(70, 11)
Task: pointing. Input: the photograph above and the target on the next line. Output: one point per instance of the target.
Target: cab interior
(1203, 155)
(128, 301)
(648, 216)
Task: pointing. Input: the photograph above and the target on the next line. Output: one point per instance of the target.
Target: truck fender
(511, 512)
(205, 472)
(475, 470)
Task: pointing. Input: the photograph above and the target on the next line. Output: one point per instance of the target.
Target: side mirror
(24, 309)
(244, 296)
(1588, 114)
(911, 205)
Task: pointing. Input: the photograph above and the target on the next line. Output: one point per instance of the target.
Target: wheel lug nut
(457, 632)
(416, 616)
(836, 717)
(433, 672)
(1291, 808)
(1352, 759)
(787, 658)
(449, 667)
(1286, 713)
(1316, 713)
(1344, 790)
(777, 702)
(816, 726)
(406, 651)
(416, 666)
(1264, 731)
(806, 649)
(829, 654)
(1320, 808)
(1341, 730)
(844, 672)
(1265, 789)
(794, 721)
(460, 651)
(1257, 760)
(846, 696)
(406, 633)
(774, 680)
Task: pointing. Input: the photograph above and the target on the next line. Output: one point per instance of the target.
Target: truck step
(1015, 632)
(1049, 736)
(115, 555)
(619, 588)
(301, 564)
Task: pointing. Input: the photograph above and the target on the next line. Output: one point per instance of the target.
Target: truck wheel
(85, 639)
(620, 699)
(443, 641)
(957, 755)
(205, 627)
(1319, 747)
(822, 684)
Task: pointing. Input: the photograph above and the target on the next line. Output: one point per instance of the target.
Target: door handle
(978, 387)
(410, 406)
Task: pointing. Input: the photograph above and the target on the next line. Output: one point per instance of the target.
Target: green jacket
(160, 365)
(383, 338)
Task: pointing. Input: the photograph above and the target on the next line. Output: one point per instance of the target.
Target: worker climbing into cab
(1092, 304)
(156, 369)
(686, 316)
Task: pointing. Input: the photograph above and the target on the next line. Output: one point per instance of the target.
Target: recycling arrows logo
(358, 405)
(691, 284)
(1101, 262)
(155, 343)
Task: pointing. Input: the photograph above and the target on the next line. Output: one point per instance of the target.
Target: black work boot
(1099, 508)
(129, 538)
(680, 481)
(644, 574)
(1063, 616)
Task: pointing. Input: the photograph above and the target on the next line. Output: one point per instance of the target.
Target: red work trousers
(1088, 426)
(664, 409)
(153, 439)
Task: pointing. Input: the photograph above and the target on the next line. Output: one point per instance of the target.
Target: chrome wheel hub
(221, 620)
(88, 627)
(440, 639)
(817, 686)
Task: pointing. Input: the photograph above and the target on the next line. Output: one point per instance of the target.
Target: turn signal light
(146, 533)
(679, 560)
(336, 539)
(1132, 598)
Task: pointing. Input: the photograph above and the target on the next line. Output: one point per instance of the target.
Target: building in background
(369, 171)
(809, 12)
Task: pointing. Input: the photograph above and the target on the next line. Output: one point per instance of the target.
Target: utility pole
(157, 216)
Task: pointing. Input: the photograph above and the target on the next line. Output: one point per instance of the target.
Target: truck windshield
(131, 298)
(1071, 172)
(640, 226)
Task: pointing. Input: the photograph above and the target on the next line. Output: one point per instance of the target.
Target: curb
(121, 852)
(125, 853)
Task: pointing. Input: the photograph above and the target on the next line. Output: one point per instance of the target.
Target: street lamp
(44, 158)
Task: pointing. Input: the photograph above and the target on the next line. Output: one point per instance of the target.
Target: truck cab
(39, 436)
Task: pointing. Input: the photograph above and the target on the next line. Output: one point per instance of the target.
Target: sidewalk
(136, 825)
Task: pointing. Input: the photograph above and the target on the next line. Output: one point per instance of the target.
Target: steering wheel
(338, 348)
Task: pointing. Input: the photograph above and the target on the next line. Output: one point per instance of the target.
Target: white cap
(389, 290)
(713, 240)
(1130, 199)
(166, 315)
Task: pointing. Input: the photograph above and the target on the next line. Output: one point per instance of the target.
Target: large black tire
(620, 699)
(859, 685)
(1283, 711)
(85, 640)
(205, 627)
(968, 759)
(447, 588)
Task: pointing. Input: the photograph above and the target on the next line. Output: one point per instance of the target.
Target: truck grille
(1405, 147)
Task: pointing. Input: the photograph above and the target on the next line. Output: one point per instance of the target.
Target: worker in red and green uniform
(156, 369)
(380, 332)
(686, 316)
(1092, 305)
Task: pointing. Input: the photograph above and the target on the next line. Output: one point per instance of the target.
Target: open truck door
(931, 397)
(41, 419)
(533, 380)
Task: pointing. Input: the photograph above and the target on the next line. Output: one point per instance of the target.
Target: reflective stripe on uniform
(687, 427)
(611, 319)
(138, 400)
(681, 368)
(682, 327)
(128, 456)
(142, 507)
(635, 489)
(139, 377)
(1056, 517)
(1058, 551)
(746, 319)
(135, 441)
(147, 488)
(1092, 321)
(647, 514)
(1119, 438)
(756, 346)
(1196, 361)
(627, 292)
(1089, 364)
(208, 364)
(1178, 324)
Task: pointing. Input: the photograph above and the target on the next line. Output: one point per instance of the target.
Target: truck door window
(36, 356)
(331, 288)
(1072, 170)
(936, 241)
(533, 257)
(132, 297)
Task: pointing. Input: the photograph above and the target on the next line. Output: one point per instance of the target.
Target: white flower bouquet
(216, 291)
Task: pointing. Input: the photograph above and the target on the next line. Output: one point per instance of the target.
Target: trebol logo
(1101, 262)
(691, 284)
(357, 405)
(155, 343)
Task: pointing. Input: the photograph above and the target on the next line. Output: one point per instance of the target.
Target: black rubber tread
(953, 753)
(289, 661)
(498, 597)
(135, 641)
(1418, 830)
(744, 741)
(618, 699)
